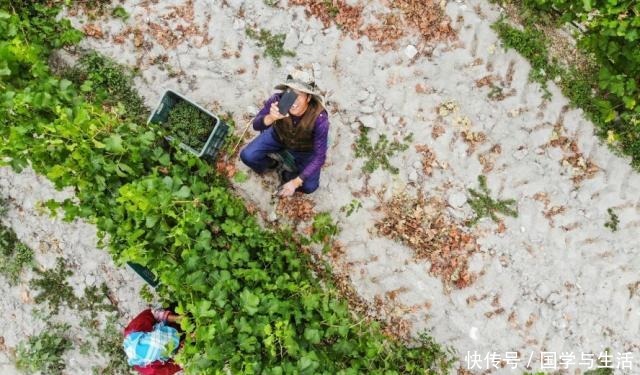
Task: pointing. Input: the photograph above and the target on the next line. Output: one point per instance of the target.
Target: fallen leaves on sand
(428, 159)
(349, 18)
(437, 131)
(169, 30)
(93, 31)
(447, 107)
(582, 168)
(487, 159)
(423, 226)
(426, 17)
(473, 139)
(225, 168)
(297, 207)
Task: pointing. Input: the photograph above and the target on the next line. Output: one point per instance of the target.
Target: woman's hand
(290, 187)
(274, 115)
(174, 318)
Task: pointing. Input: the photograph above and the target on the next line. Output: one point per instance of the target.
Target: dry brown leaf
(93, 31)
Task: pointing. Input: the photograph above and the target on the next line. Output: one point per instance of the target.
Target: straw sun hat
(302, 78)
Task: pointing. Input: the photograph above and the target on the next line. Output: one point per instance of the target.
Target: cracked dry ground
(552, 279)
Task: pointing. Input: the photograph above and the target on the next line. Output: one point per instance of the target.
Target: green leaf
(113, 143)
(313, 335)
(183, 193)
(629, 102)
(240, 177)
(249, 301)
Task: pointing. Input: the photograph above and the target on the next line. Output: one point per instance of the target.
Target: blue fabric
(143, 348)
(255, 157)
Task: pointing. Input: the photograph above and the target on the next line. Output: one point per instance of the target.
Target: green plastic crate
(219, 129)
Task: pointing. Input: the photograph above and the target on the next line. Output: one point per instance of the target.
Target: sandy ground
(554, 280)
(51, 238)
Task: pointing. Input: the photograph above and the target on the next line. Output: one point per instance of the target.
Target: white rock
(457, 199)
(539, 151)
(554, 298)
(252, 109)
(238, 24)
(410, 51)
(366, 109)
(387, 106)
(520, 154)
(370, 100)
(413, 175)
(90, 280)
(291, 41)
(272, 216)
(368, 121)
(473, 333)
(235, 4)
(307, 40)
(317, 70)
(417, 165)
(362, 95)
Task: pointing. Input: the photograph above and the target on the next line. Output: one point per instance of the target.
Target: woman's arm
(320, 135)
(259, 121)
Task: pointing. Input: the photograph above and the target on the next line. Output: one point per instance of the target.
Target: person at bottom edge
(150, 341)
(302, 131)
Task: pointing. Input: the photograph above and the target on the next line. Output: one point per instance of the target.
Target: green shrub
(43, 353)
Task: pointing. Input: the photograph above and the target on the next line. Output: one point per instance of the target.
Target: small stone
(386, 105)
(362, 95)
(368, 121)
(317, 70)
(410, 51)
(417, 165)
(521, 153)
(370, 100)
(235, 4)
(473, 333)
(413, 175)
(543, 291)
(291, 41)
(252, 109)
(523, 229)
(307, 40)
(539, 151)
(90, 280)
(457, 199)
(238, 24)
(366, 109)
(272, 216)
(554, 298)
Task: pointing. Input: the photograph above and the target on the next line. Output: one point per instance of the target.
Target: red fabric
(144, 322)
(158, 368)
